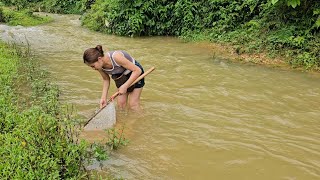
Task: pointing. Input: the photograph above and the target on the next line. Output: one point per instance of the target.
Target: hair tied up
(99, 48)
(91, 55)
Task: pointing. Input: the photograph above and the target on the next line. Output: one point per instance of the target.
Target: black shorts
(120, 79)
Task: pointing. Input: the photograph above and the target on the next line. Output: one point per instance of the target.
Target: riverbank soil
(229, 53)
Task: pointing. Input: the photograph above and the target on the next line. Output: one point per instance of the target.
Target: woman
(123, 69)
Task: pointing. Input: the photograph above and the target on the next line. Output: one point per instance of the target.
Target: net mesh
(105, 119)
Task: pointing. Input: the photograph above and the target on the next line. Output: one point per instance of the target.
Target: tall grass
(38, 135)
(23, 17)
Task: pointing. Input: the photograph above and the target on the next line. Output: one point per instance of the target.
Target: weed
(116, 138)
(39, 139)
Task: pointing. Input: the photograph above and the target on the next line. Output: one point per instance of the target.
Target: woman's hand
(103, 103)
(123, 89)
(105, 88)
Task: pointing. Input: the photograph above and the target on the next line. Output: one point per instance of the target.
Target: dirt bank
(229, 53)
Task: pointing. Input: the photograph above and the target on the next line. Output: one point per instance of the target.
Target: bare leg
(122, 101)
(134, 99)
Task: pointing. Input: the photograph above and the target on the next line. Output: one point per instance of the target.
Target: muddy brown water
(203, 117)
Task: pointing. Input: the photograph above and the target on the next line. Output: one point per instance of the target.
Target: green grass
(39, 135)
(37, 139)
(23, 17)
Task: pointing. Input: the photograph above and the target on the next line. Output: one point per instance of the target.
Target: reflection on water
(203, 117)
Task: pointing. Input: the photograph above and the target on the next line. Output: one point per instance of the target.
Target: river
(203, 117)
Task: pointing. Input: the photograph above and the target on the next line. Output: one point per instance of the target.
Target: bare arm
(124, 62)
(105, 88)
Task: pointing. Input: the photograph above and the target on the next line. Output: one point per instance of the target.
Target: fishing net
(103, 119)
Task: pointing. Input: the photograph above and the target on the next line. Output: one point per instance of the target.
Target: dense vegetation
(54, 6)
(287, 28)
(24, 17)
(38, 138)
(37, 134)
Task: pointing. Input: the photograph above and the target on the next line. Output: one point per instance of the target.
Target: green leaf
(317, 24)
(293, 3)
(316, 11)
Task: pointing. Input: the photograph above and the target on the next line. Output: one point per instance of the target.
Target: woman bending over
(123, 69)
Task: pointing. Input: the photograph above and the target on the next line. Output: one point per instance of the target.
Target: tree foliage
(278, 26)
(287, 27)
(55, 6)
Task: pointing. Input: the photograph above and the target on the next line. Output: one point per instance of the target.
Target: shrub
(38, 140)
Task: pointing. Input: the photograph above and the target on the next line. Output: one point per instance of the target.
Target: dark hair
(91, 55)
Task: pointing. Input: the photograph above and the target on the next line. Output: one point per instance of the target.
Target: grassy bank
(24, 17)
(37, 133)
(254, 42)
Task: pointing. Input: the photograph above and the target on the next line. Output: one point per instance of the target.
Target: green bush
(95, 19)
(64, 7)
(1, 15)
(23, 17)
(276, 26)
(163, 17)
(55, 6)
(38, 138)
